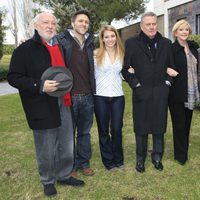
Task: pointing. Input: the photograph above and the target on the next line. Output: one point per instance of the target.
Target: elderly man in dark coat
(147, 58)
(49, 117)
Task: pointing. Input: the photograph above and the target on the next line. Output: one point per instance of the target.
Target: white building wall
(161, 8)
(158, 7)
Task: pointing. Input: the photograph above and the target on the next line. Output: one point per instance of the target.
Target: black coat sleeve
(130, 78)
(19, 76)
(171, 63)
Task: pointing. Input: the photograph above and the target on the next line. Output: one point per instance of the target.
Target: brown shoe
(88, 172)
(74, 174)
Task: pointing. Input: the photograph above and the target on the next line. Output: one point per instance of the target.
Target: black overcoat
(150, 100)
(28, 62)
(179, 89)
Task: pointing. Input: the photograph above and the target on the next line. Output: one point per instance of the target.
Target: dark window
(197, 24)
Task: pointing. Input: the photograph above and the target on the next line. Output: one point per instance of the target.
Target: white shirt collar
(73, 35)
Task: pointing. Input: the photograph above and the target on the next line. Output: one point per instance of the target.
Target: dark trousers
(109, 113)
(181, 122)
(141, 147)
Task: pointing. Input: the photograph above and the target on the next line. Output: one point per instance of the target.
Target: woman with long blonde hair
(109, 99)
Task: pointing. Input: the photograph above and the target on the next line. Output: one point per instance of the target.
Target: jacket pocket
(138, 94)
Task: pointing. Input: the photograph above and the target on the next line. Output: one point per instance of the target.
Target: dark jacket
(150, 100)
(28, 62)
(66, 40)
(179, 89)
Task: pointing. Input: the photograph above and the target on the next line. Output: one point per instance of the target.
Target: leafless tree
(13, 19)
(20, 15)
(26, 16)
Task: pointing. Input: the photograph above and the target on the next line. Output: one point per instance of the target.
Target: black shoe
(158, 165)
(140, 167)
(49, 190)
(71, 181)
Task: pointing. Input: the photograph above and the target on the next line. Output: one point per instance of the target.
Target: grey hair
(148, 14)
(38, 16)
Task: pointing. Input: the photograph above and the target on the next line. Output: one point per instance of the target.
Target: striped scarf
(193, 92)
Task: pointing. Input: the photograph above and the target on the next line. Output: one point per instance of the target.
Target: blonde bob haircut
(119, 50)
(178, 24)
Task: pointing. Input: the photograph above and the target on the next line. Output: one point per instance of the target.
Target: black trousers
(181, 122)
(141, 147)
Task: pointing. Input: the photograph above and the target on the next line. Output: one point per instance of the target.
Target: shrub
(4, 67)
(3, 74)
(196, 38)
(8, 49)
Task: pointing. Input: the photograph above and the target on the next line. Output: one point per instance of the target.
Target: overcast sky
(10, 39)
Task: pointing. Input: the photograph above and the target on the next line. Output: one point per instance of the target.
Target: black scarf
(151, 43)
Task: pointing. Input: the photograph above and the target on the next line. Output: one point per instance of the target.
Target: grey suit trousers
(55, 149)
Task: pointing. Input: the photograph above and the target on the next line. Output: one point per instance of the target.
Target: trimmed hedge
(8, 49)
(4, 65)
(3, 74)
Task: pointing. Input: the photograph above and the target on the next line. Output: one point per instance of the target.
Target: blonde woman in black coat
(184, 91)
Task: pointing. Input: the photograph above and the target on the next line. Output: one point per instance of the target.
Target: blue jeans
(109, 112)
(83, 109)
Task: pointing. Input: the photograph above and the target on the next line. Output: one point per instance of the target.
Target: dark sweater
(66, 40)
(80, 70)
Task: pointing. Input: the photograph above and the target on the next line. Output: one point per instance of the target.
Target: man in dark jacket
(49, 117)
(78, 47)
(147, 57)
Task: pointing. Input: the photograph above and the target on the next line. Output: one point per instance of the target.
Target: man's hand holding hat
(50, 86)
(58, 80)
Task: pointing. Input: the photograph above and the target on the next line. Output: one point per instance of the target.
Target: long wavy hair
(119, 50)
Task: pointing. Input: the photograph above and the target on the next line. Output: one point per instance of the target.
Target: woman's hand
(171, 72)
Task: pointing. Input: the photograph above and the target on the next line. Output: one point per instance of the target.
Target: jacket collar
(145, 48)
(68, 33)
(191, 44)
(71, 32)
(36, 37)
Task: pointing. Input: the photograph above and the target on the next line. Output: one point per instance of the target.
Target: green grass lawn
(19, 178)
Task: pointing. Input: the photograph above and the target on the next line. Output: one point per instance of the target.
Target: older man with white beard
(48, 116)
